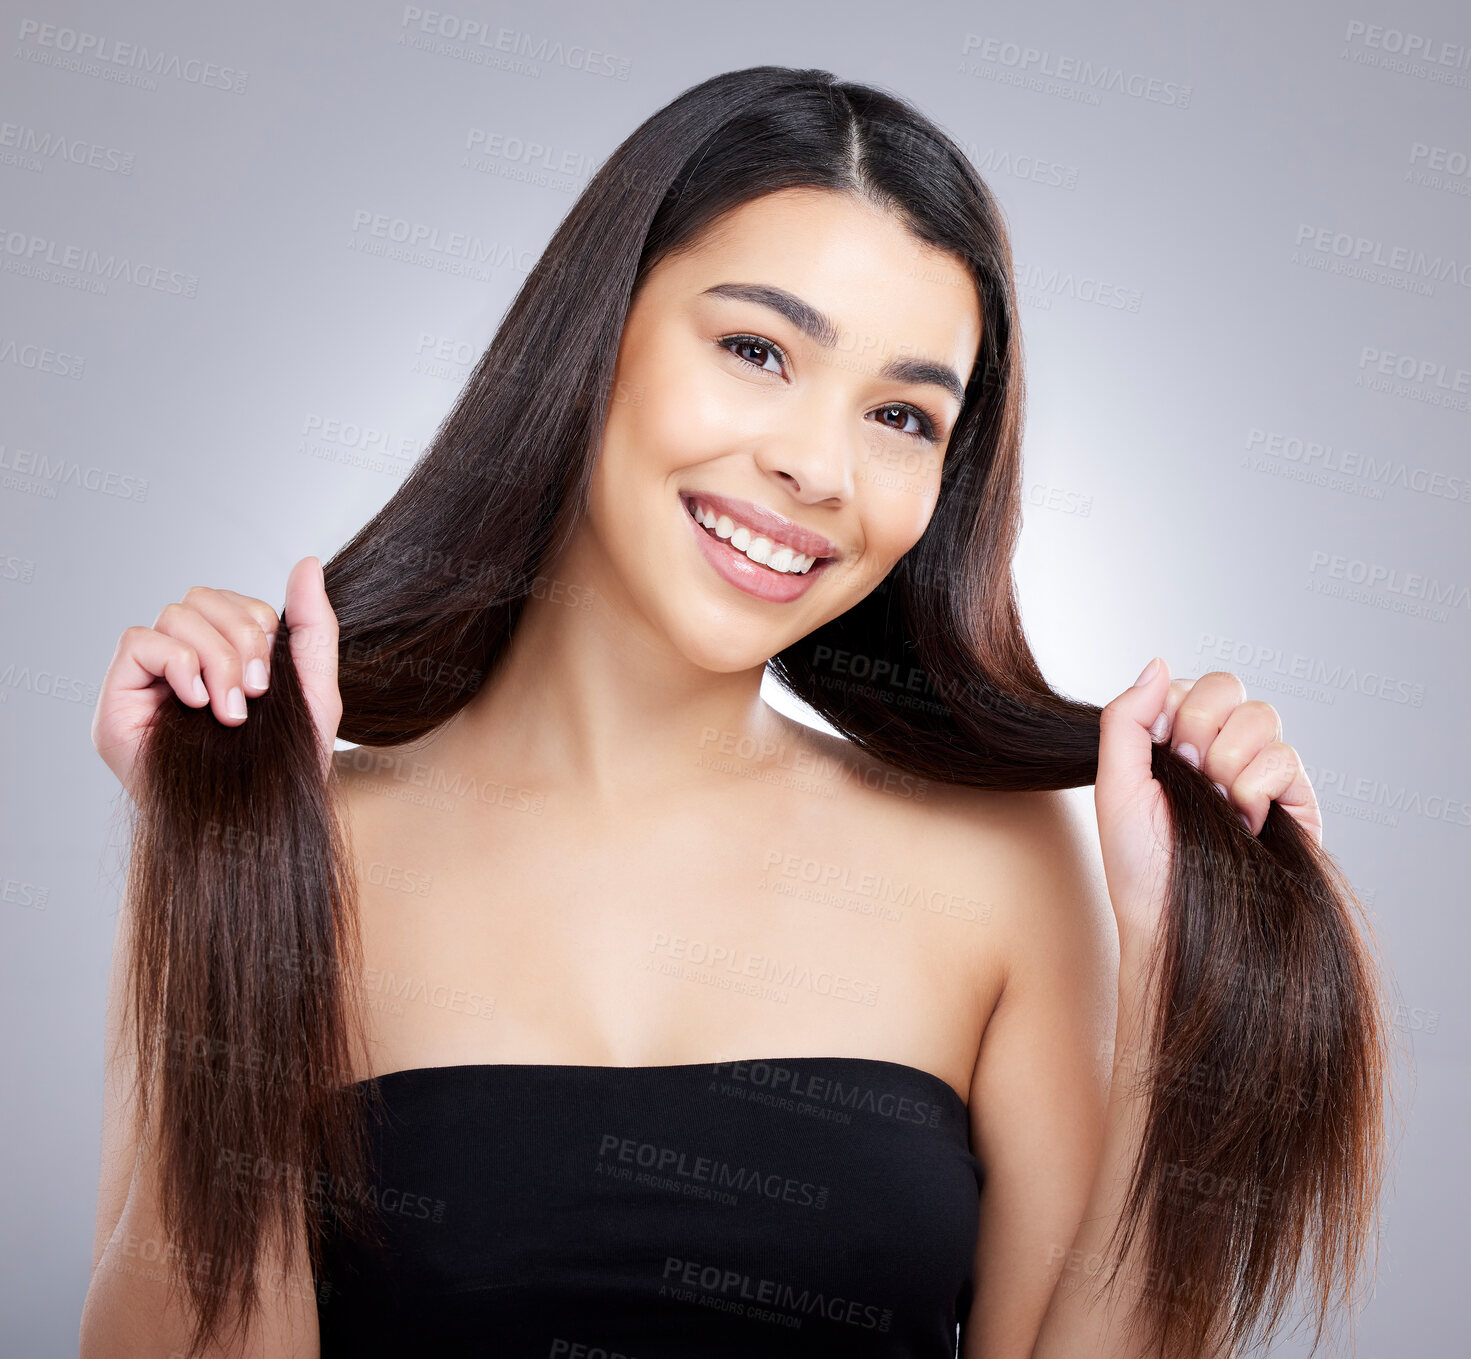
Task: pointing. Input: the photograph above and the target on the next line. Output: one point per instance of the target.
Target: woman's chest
(569, 935)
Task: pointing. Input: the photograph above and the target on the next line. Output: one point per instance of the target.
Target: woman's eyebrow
(818, 326)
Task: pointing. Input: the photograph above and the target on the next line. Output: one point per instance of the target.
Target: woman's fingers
(1237, 743)
(247, 625)
(1248, 729)
(1275, 774)
(213, 648)
(152, 661)
(1164, 724)
(258, 609)
(220, 664)
(145, 666)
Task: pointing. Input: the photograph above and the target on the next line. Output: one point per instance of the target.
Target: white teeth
(760, 550)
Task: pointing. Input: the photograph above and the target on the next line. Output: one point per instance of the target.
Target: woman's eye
(758, 353)
(921, 427)
(766, 356)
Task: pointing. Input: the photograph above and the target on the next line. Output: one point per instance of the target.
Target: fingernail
(255, 673)
(200, 692)
(1221, 789)
(1245, 820)
(235, 703)
(1157, 728)
(1147, 673)
(1186, 751)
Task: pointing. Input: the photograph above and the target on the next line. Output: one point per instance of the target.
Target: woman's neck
(585, 698)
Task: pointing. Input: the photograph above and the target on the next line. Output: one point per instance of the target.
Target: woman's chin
(723, 647)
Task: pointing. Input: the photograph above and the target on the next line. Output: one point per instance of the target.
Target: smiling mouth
(773, 556)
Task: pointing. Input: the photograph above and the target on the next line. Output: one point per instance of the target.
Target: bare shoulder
(1044, 839)
(1040, 854)
(1034, 838)
(1031, 858)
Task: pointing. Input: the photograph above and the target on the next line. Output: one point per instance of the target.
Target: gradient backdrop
(248, 256)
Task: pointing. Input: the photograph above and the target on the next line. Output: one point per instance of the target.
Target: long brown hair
(243, 961)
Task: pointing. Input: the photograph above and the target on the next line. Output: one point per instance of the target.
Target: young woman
(589, 1006)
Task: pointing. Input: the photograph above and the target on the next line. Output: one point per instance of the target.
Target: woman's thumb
(313, 642)
(1126, 744)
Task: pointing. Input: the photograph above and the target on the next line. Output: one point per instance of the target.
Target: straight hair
(1265, 992)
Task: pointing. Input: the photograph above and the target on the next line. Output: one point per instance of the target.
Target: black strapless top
(813, 1206)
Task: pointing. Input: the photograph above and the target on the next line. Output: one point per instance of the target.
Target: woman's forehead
(859, 267)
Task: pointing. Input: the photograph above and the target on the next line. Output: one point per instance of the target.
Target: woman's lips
(737, 569)
(767, 523)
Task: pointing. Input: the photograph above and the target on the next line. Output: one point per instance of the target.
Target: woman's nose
(816, 456)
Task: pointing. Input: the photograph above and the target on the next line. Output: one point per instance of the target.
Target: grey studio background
(248, 256)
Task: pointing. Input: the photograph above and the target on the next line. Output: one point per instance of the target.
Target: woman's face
(794, 377)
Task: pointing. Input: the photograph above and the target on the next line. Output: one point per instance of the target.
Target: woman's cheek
(901, 487)
(700, 419)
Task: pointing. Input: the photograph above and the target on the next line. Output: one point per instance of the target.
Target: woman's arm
(1053, 1117)
(1237, 744)
(1081, 1318)
(1039, 1096)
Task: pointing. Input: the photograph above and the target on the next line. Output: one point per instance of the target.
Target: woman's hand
(214, 649)
(1234, 740)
